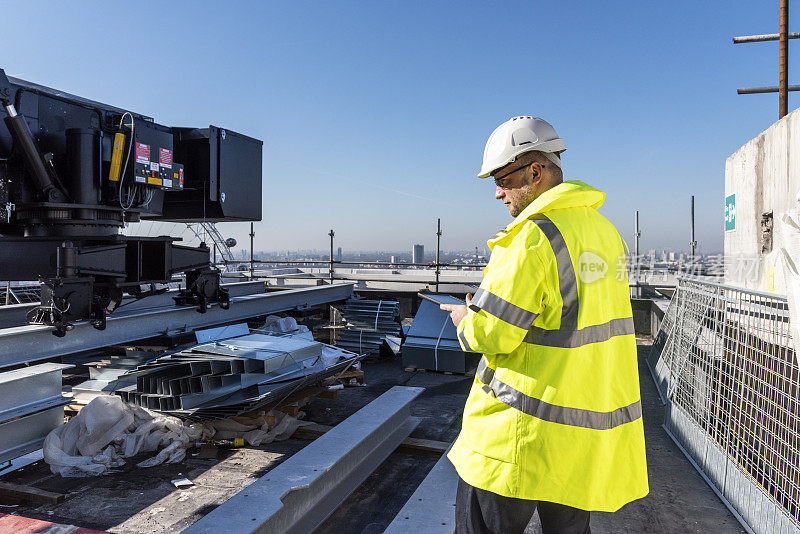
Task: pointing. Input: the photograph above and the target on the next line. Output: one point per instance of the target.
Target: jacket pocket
(490, 427)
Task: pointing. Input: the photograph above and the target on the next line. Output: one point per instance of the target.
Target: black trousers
(483, 512)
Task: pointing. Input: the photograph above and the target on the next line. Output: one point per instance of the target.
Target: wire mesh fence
(18, 293)
(725, 367)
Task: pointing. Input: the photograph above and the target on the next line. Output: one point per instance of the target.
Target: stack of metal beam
(227, 377)
(369, 322)
(31, 406)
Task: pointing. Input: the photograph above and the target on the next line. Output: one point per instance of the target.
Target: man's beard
(529, 196)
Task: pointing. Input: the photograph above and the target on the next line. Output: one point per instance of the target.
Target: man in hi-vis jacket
(554, 416)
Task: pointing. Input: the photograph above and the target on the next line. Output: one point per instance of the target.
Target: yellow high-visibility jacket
(554, 413)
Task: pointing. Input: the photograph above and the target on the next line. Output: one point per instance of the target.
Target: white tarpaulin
(107, 430)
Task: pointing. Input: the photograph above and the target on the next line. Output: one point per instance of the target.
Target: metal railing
(362, 263)
(434, 268)
(18, 294)
(726, 370)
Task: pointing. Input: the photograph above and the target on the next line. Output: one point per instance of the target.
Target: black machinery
(73, 172)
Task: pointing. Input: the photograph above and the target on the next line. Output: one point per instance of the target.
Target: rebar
(692, 243)
(783, 60)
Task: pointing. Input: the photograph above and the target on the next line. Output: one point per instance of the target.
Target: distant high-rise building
(391, 260)
(339, 254)
(418, 254)
(671, 256)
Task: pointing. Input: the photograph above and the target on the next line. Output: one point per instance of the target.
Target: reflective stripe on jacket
(554, 413)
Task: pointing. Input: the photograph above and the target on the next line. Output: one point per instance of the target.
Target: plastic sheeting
(790, 252)
(107, 431)
(283, 325)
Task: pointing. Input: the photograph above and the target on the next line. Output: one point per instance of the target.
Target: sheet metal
(229, 376)
(222, 332)
(432, 342)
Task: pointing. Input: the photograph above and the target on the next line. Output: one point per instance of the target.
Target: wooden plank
(427, 445)
(314, 430)
(310, 431)
(29, 493)
(260, 420)
(292, 410)
(292, 399)
(346, 376)
(73, 409)
(350, 374)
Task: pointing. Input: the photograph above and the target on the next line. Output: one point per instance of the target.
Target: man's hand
(457, 311)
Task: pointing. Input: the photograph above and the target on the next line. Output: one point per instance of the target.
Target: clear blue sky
(374, 114)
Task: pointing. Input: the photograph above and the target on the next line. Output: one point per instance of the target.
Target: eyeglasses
(500, 181)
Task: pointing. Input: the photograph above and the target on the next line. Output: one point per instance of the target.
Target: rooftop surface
(144, 500)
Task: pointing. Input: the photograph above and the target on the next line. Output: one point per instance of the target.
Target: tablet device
(438, 298)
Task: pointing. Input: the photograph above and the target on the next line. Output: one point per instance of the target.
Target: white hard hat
(517, 136)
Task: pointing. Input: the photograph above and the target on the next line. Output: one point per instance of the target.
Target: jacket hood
(569, 194)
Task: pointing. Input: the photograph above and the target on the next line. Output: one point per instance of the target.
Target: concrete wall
(765, 176)
(648, 315)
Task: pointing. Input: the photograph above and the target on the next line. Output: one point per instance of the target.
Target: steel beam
(31, 406)
(26, 434)
(299, 494)
(31, 343)
(22, 390)
(432, 507)
(14, 314)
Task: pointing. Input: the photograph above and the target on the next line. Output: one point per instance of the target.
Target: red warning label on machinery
(142, 153)
(165, 157)
(180, 179)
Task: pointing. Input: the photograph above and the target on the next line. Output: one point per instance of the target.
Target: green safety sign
(730, 212)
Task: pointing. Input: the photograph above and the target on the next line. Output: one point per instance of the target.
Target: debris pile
(107, 431)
